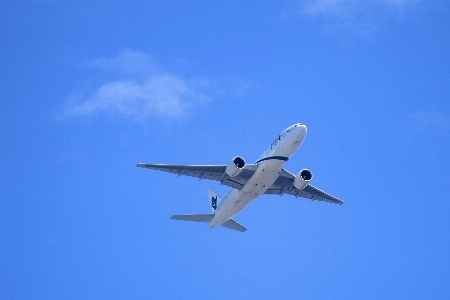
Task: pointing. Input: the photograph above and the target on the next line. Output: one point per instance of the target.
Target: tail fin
(214, 199)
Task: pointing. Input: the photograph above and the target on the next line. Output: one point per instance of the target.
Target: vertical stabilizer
(214, 199)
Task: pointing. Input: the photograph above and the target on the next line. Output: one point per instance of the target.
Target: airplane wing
(285, 185)
(211, 172)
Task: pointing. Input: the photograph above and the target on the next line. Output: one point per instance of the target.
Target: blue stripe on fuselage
(273, 157)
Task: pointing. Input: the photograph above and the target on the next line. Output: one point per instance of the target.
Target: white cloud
(143, 91)
(344, 7)
(128, 62)
(429, 121)
(355, 18)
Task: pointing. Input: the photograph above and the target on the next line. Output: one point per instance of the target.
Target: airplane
(249, 181)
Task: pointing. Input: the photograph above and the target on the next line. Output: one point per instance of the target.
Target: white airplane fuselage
(270, 164)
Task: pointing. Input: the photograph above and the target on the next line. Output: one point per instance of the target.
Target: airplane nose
(301, 132)
(302, 129)
(299, 126)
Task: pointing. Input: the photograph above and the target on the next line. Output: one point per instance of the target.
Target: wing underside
(283, 185)
(211, 172)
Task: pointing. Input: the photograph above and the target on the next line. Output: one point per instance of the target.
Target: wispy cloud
(141, 90)
(355, 18)
(128, 63)
(423, 121)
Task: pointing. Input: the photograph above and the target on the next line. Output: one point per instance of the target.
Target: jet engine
(302, 179)
(235, 166)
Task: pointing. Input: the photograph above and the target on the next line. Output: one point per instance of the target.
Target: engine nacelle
(302, 179)
(235, 166)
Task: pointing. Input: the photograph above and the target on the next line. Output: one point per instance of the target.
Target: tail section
(203, 218)
(206, 218)
(232, 224)
(214, 199)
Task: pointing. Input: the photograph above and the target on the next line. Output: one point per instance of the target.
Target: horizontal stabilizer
(206, 218)
(232, 224)
(203, 218)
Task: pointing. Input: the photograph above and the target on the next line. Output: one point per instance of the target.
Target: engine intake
(302, 179)
(235, 166)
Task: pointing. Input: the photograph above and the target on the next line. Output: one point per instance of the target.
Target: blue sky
(87, 90)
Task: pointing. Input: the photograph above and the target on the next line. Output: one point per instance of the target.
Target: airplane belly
(266, 174)
(231, 205)
(264, 177)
